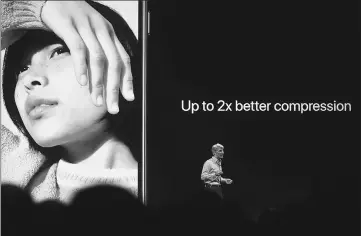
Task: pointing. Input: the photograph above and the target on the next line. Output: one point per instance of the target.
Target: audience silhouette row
(106, 210)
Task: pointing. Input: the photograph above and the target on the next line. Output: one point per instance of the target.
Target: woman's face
(55, 109)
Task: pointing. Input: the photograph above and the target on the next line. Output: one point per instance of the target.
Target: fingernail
(131, 95)
(83, 80)
(99, 100)
(115, 108)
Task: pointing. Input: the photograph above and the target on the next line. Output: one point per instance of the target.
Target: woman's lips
(39, 111)
(36, 107)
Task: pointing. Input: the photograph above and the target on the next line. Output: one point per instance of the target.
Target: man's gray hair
(216, 147)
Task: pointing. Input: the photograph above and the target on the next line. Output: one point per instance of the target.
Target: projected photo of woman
(87, 133)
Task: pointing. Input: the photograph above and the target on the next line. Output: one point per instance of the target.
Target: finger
(97, 63)
(126, 85)
(114, 71)
(78, 52)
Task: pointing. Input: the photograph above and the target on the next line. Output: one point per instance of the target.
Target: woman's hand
(95, 49)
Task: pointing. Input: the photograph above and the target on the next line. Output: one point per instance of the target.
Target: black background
(269, 51)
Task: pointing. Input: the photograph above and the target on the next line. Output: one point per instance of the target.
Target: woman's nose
(35, 78)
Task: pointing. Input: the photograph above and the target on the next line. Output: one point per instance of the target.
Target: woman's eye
(24, 68)
(59, 50)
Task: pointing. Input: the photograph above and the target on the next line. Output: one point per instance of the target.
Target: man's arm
(226, 180)
(207, 175)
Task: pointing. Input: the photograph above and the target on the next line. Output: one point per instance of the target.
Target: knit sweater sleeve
(19, 15)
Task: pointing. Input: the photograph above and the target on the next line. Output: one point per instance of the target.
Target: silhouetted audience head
(106, 209)
(17, 210)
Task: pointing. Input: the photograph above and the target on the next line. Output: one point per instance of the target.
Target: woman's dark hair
(126, 124)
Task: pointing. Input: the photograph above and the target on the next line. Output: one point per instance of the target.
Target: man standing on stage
(212, 171)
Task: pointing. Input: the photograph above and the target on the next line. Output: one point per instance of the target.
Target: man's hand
(91, 38)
